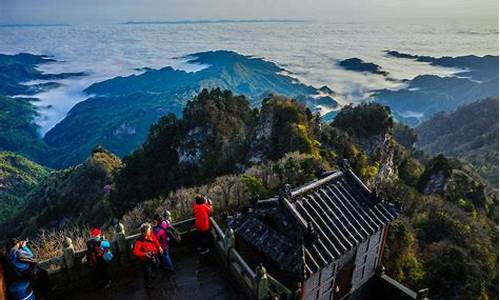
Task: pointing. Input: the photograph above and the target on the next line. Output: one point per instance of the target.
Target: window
(367, 245)
(363, 272)
(365, 259)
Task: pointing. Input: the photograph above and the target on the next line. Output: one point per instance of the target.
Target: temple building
(325, 239)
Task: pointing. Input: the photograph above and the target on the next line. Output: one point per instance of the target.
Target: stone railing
(70, 271)
(257, 284)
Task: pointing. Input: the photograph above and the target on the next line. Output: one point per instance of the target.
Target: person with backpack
(147, 250)
(99, 257)
(163, 231)
(202, 210)
(21, 261)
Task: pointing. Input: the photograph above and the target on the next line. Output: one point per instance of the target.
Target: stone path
(195, 278)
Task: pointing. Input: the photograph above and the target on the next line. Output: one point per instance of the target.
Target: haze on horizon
(105, 11)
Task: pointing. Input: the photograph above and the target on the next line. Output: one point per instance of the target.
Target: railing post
(262, 283)
(68, 253)
(121, 242)
(228, 243)
(380, 270)
(168, 216)
(297, 294)
(422, 294)
(228, 240)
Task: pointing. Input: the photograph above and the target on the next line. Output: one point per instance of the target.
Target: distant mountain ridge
(119, 115)
(470, 132)
(222, 21)
(429, 94)
(246, 75)
(19, 68)
(475, 67)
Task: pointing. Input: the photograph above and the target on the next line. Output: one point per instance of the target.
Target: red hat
(95, 232)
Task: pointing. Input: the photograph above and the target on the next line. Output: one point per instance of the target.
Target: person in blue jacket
(25, 266)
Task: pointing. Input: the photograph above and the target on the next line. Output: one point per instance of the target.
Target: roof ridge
(316, 183)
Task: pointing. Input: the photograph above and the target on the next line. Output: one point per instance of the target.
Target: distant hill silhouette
(470, 132)
(429, 94)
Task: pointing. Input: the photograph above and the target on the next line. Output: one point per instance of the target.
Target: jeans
(167, 260)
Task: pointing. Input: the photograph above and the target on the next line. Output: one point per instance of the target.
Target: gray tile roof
(316, 223)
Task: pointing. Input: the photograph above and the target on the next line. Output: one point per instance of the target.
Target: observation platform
(195, 277)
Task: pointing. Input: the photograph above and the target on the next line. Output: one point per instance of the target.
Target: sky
(103, 11)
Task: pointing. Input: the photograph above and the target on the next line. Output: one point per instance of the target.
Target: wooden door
(343, 280)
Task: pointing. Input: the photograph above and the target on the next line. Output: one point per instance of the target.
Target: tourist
(202, 209)
(147, 249)
(25, 267)
(99, 256)
(160, 231)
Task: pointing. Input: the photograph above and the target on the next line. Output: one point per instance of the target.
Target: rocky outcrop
(381, 148)
(457, 181)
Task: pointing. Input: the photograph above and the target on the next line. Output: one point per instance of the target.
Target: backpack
(98, 251)
(107, 255)
(173, 235)
(93, 253)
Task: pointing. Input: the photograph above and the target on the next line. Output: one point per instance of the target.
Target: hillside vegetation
(17, 176)
(219, 134)
(469, 133)
(18, 132)
(71, 196)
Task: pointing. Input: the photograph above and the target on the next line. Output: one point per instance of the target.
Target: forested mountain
(445, 239)
(123, 108)
(218, 134)
(469, 133)
(64, 197)
(178, 138)
(18, 131)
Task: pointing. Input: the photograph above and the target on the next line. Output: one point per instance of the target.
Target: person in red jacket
(147, 249)
(202, 210)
